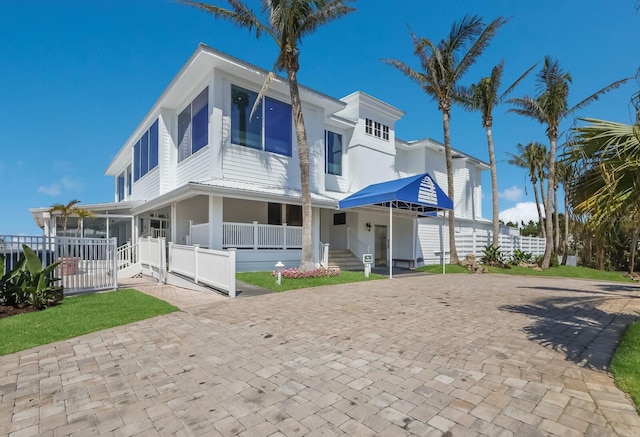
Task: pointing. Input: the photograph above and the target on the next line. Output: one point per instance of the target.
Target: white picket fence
(216, 268)
(474, 243)
(86, 264)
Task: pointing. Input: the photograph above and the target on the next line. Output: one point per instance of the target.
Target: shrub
(28, 283)
(493, 257)
(317, 273)
(520, 256)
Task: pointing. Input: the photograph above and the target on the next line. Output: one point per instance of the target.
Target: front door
(381, 245)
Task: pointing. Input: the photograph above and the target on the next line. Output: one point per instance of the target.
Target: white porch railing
(260, 236)
(127, 255)
(357, 247)
(198, 234)
(216, 268)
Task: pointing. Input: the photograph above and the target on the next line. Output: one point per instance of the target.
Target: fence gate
(86, 264)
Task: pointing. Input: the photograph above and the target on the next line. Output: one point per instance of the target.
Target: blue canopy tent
(419, 194)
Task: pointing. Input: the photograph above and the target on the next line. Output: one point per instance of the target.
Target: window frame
(139, 150)
(329, 153)
(185, 145)
(376, 129)
(268, 139)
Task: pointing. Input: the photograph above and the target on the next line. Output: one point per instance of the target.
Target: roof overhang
(419, 194)
(237, 190)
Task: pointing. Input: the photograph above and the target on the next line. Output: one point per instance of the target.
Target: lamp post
(279, 267)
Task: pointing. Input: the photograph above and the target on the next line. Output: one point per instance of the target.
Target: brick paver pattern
(455, 355)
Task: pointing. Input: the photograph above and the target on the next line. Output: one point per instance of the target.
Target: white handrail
(357, 247)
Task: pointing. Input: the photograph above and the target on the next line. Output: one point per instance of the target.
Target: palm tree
(532, 157)
(287, 22)
(609, 154)
(483, 96)
(70, 210)
(550, 107)
(443, 65)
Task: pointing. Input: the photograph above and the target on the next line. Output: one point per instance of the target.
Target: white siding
(244, 163)
(193, 169)
(165, 144)
(147, 187)
(265, 260)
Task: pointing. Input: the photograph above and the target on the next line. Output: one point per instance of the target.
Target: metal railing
(357, 247)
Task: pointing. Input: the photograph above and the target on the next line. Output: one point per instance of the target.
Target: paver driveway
(455, 355)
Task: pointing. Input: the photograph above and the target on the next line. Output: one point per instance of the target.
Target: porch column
(173, 223)
(215, 222)
(315, 234)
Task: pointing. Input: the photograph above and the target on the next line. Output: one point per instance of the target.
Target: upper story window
(333, 152)
(120, 187)
(145, 153)
(270, 127)
(193, 126)
(129, 184)
(376, 129)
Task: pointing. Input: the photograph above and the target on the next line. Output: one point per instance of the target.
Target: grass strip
(625, 364)
(76, 316)
(266, 280)
(558, 272)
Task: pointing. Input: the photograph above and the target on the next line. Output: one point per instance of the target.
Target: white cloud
(50, 190)
(523, 211)
(512, 194)
(66, 183)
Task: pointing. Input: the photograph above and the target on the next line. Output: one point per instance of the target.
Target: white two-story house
(200, 168)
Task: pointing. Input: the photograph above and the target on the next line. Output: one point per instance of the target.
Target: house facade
(207, 166)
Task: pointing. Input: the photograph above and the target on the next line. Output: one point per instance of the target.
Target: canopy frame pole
(390, 240)
(444, 217)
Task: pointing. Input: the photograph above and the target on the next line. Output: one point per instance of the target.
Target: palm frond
(239, 14)
(479, 45)
(324, 14)
(595, 96)
(518, 80)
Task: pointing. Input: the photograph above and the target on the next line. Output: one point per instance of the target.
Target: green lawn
(266, 280)
(625, 364)
(78, 315)
(560, 271)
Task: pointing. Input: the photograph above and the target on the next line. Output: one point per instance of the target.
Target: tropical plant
(70, 210)
(492, 256)
(520, 256)
(484, 96)
(287, 22)
(442, 66)
(28, 283)
(532, 158)
(550, 107)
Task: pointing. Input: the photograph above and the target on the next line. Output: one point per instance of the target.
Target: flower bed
(317, 273)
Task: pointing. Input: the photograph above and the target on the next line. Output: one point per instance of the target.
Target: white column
(215, 222)
(173, 223)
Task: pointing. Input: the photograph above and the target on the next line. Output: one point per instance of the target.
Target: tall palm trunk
(453, 253)
(633, 249)
(551, 177)
(494, 188)
(565, 241)
(534, 182)
(292, 67)
(556, 220)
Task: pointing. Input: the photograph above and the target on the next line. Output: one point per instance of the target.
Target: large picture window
(333, 152)
(270, 127)
(145, 152)
(193, 126)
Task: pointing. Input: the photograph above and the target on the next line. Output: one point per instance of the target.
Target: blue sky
(78, 76)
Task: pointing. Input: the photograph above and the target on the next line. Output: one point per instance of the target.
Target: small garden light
(279, 267)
